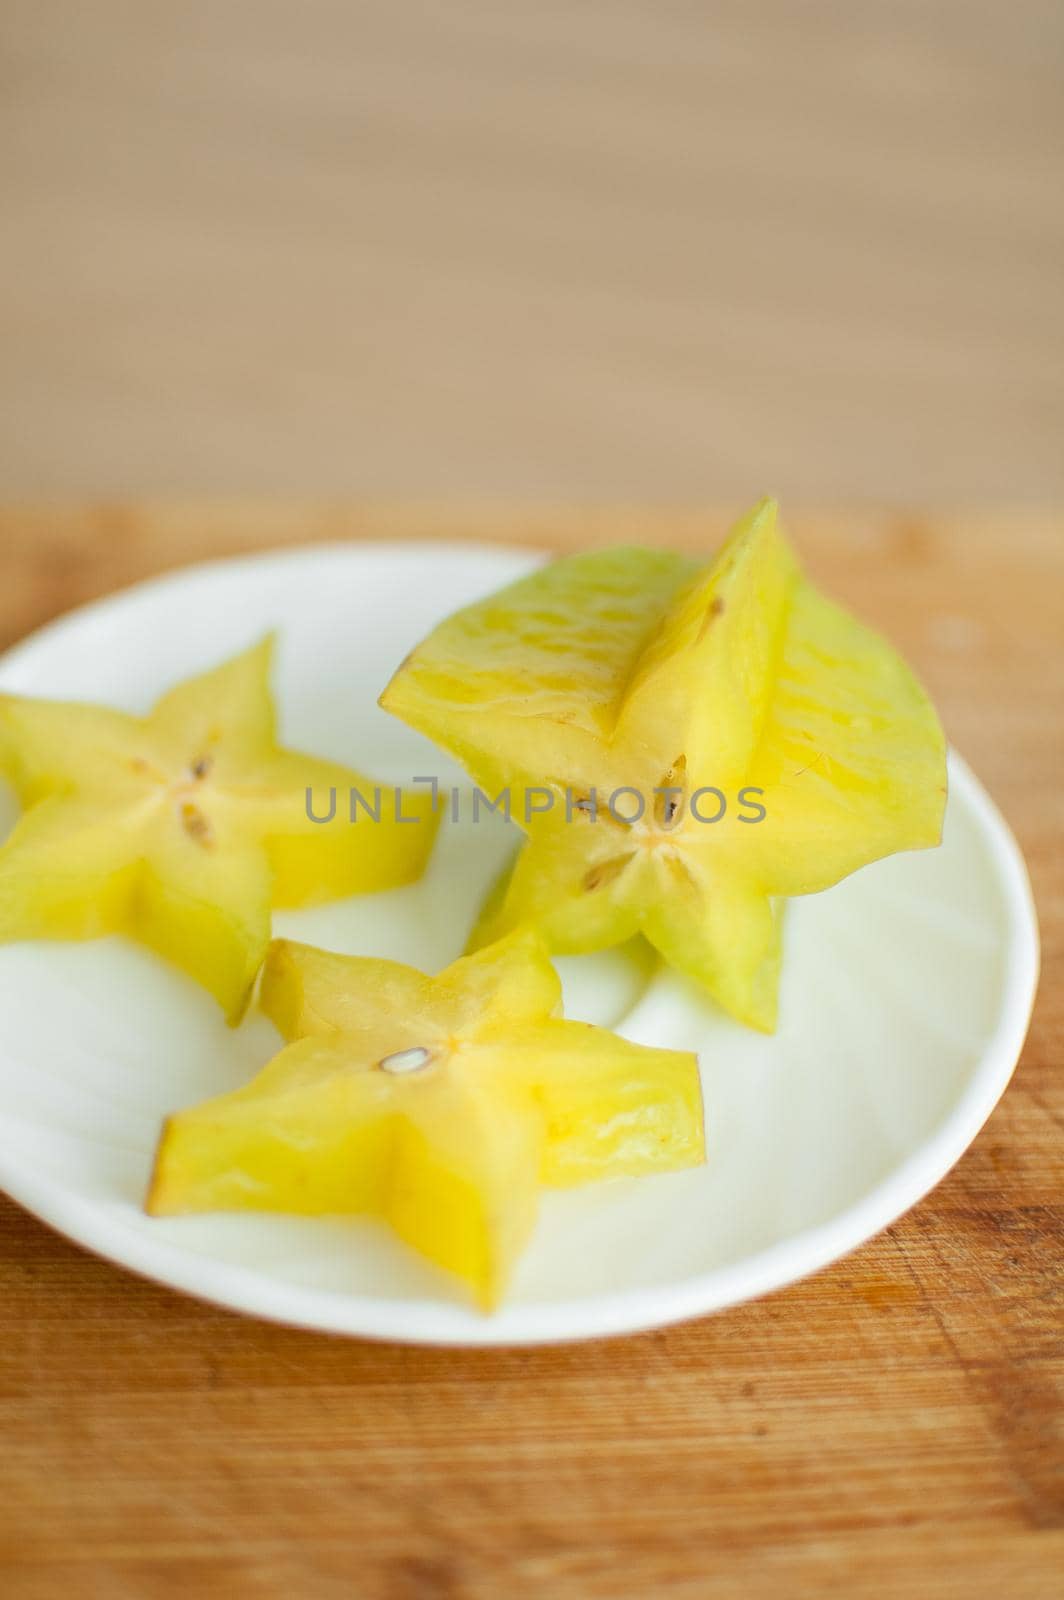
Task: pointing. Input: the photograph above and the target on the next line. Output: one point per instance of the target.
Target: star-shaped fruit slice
(756, 740)
(439, 1104)
(184, 827)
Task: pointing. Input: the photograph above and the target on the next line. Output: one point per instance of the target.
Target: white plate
(906, 996)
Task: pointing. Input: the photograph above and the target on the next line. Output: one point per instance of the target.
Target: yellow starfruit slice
(439, 1104)
(184, 827)
(770, 744)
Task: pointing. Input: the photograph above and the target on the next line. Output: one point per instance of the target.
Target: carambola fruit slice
(736, 681)
(439, 1104)
(184, 827)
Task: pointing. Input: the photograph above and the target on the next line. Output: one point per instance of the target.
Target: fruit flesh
(738, 677)
(437, 1104)
(184, 827)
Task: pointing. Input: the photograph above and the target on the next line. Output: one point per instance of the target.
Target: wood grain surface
(891, 1427)
(533, 250)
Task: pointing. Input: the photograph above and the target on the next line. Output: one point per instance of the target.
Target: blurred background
(599, 250)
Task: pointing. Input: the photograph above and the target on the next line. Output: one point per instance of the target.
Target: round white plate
(906, 996)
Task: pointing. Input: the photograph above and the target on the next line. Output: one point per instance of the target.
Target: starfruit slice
(770, 743)
(439, 1104)
(184, 827)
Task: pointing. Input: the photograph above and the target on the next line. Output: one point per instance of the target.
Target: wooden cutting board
(890, 1427)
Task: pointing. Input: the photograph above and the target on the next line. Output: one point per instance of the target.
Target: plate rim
(428, 1322)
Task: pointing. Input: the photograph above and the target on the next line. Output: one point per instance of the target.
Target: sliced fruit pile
(775, 743)
(684, 746)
